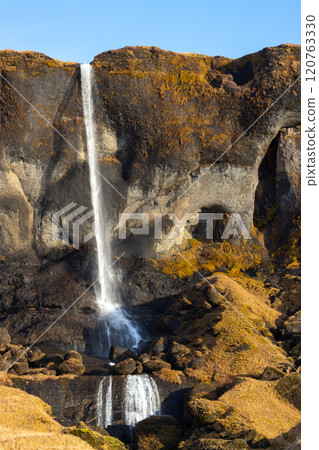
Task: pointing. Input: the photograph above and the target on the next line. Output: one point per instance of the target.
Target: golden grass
(236, 342)
(26, 422)
(259, 402)
(211, 257)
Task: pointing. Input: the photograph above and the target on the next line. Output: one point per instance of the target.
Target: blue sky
(77, 30)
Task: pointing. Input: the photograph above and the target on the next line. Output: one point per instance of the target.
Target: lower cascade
(105, 404)
(141, 399)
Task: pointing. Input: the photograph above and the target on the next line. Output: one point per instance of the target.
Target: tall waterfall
(120, 329)
(105, 404)
(141, 399)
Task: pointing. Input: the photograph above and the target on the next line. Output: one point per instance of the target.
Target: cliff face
(162, 120)
(176, 133)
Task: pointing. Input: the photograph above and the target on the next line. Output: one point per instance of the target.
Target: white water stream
(105, 404)
(120, 328)
(141, 399)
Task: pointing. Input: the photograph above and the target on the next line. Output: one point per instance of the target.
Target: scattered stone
(158, 432)
(126, 367)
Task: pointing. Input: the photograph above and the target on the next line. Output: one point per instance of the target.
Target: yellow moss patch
(259, 402)
(212, 257)
(170, 376)
(25, 419)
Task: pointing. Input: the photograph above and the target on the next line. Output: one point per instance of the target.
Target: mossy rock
(214, 444)
(170, 376)
(202, 412)
(72, 354)
(271, 374)
(71, 366)
(200, 390)
(158, 432)
(289, 387)
(95, 439)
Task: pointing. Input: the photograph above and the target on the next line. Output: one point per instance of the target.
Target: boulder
(20, 368)
(213, 444)
(159, 346)
(5, 338)
(199, 391)
(71, 366)
(158, 432)
(271, 374)
(118, 354)
(72, 354)
(177, 348)
(34, 354)
(144, 357)
(170, 376)
(126, 367)
(203, 412)
(292, 326)
(95, 438)
(155, 364)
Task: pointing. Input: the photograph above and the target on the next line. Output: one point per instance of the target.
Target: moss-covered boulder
(157, 432)
(213, 444)
(170, 376)
(20, 368)
(202, 412)
(94, 438)
(72, 354)
(71, 366)
(289, 387)
(156, 364)
(271, 374)
(126, 367)
(200, 390)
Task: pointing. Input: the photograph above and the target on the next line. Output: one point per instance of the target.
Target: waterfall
(141, 399)
(104, 404)
(120, 328)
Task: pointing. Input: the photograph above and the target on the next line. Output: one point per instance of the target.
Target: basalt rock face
(162, 120)
(163, 124)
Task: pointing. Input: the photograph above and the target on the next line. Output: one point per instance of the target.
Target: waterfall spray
(120, 329)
